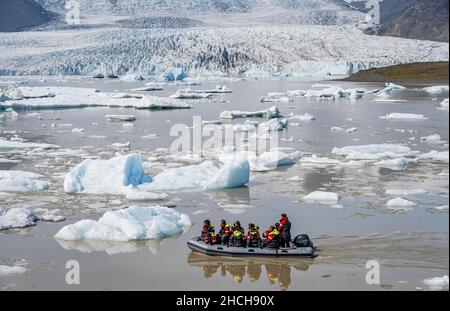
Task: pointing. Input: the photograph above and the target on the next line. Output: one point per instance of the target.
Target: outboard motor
(302, 240)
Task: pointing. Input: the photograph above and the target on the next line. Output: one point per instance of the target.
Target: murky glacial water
(410, 245)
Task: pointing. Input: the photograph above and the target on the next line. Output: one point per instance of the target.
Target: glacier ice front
(132, 224)
(125, 175)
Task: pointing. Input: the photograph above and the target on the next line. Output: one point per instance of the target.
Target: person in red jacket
(271, 237)
(284, 228)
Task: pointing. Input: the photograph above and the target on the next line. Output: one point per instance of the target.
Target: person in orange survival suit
(271, 238)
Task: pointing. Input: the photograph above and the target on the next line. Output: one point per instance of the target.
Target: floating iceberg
(437, 283)
(373, 152)
(267, 161)
(124, 175)
(404, 192)
(275, 98)
(189, 94)
(115, 176)
(273, 125)
(12, 145)
(400, 202)
(432, 139)
(148, 88)
(440, 156)
(72, 97)
(114, 117)
(322, 197)
(404, 116)
(7, 270)
(203, 176)
(45, 214)
(272, 112)
(399, 164)
(20, 181)
(131, 224)
(436, 89)
(17, 218)
(444, 105)
(304, 117)
(153, 102)
(387, 91)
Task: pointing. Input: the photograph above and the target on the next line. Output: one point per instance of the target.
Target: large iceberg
(131, 224)
(20, 181)
(206, 175)
(113, 176)
(272, 112)
(17, 218)
(124, 175)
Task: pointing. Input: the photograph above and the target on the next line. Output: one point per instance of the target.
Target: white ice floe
(437, 283)
(117, 117)
(17, 218)
(295, 179)
(316, 160)
(267, 161)
(131, 224)
(432, 139)
(45, 214)
(8, 270)
(189, 94)
(114, 176)
(124, 175)
(20, 181)
(77, 130)
(12, 145)
(272, 112)
(444, 105)
(436, 89)
(442, 208)
(153, 102)
(322, 197)
(304, 117)
(403, 116)
(387, 91)
(399, 164)
(149, 88)
(273, 125)
(400, 203)
(373, 152)
(405, 192)
(439, 156)
(71, 97)
(275, 98)
(206, 175)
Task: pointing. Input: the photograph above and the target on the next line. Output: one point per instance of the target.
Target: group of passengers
(275, 236)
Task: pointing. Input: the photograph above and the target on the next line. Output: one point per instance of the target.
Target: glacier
(308, 50)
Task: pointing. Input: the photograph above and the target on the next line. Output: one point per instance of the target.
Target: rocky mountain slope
(16, 15)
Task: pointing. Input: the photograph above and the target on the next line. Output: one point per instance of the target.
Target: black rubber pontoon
(197, 245)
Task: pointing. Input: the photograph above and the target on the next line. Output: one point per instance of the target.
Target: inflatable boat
(303, 247)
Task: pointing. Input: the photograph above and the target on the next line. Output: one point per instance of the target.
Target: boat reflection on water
(274, 271)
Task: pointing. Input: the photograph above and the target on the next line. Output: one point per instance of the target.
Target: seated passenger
(223, 237)
(237, 239)
(253, 237)
(271, 238)
(208, 232)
